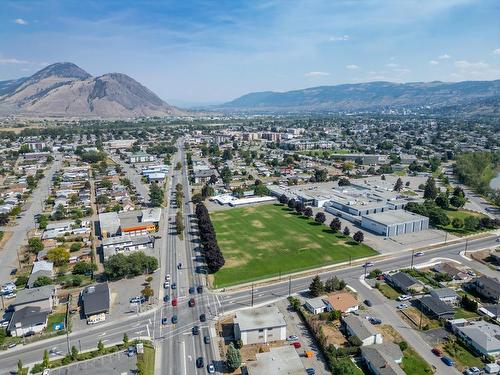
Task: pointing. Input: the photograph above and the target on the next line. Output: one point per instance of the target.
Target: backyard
(269, 240)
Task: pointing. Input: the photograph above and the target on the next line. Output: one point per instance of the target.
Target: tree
(299, 207)
(442, 201)
(358, 236)
(35, 245)
(291, 204)
(207, 191)
(31, 182)
(283, 199)
(333, 283)
(147, 292)
(75, 246)
(335, 225)
(59, 255)
(344, 182)
(21, 280)
(457, 222)
(42, 281)
(261, 190)
(197, 198)
(19, 367)
(4, 219)
(45, 361)
(320, 218)
(471, 223)
(74, 353)
(83, 268)
(100, 346)
(316, 288)
(233, 357)
(457, 201)
(226, 175)
(156, 195)
(213, 179)
(308, 212)
(430, 189)
(125, 339)
(346, 231)
(320, 175)
(398, 186)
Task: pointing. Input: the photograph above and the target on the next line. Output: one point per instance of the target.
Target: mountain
(66, 90)
(375, 96)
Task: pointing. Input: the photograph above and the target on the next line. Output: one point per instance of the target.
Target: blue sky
(212, 51)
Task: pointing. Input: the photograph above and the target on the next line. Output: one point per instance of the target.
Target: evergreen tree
(430, 190)
(233, 357)
(335, 225)
(398, 185)
(316, 288)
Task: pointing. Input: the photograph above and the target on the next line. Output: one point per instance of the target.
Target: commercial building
(394, 222)
(151, 215)
(259, 326)
(481, 336)
(109, 222)
(140, 157)
(125, 244)
(282, 360)
(95, 299)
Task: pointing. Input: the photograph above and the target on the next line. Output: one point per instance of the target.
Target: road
(8, 255)
(133, 176)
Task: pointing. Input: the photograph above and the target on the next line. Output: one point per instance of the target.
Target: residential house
(343, 301)
(259, 326)
(404, 282)
(446, 295)
(362, 329)
(40, 268)
(481, 336)
(43, 297)
(316, 305)
(383, 359)
(486, 287)
(435, 308)
(28, 320)
(450, 270)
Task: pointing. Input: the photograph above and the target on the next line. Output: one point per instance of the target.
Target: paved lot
(117, 363)
(296, 327)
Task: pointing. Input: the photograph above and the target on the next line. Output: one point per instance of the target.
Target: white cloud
(433, 62)
(317, 74)
(339, 38)
(13, 61)
(474, 70)
(352, 67)
(444, 57)
(392, 65)
(20, 21)
(496, 52)
(466, 65)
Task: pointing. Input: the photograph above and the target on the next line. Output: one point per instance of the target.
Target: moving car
(200, 289)
(310, 371)
(167, 277)
(437, 352)
(191, 290)
(292, 338)
(196, 330)
(191, 302)
(296, 345)
(448, 361)
(203, 318)
(174, 302)
(368, 264)
(419, 254)
(211, 369)
(206, 339)
(166, 284)
(368, 303)
(164, 321)
(166, 298)
(199, 362)
(174, 319)
(402, 306)
(173, 286)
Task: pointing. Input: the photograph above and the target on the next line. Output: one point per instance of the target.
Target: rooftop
(485, 334)
(283, 361)
(394, 217)
(24, 296)
(360, 327)
(95, 299)
(436, 306)
(151, 215)
(28, 316)
(262, 317)
(342, 301)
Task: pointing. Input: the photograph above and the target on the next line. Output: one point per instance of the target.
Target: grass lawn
(462, 356)
(462, 313)
(146, 361)
(55, 318)
(461, 214)
(264, 241)
(388, 291)
(413, 364)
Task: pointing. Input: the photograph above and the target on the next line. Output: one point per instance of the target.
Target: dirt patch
(232, 262)
(5, 238)
(257, 224)
(390, 333)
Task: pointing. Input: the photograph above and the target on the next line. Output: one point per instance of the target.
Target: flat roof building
(95, 299)
(394, 222)
(109, 223)
(261, 325)
(283, 361)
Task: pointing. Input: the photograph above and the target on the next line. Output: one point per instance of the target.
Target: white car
(471, 273)
(368, 264)
(46, 372)
(10, 295)
(292, 338)
(167, 277)
(166, 284)
(403, 297)
(4, 323)
(419, 254)
(402, 306)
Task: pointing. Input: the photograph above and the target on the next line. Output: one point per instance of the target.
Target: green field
(461, 214)
(264, 241)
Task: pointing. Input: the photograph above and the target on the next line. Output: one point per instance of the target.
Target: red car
(296, 345)
(192, 302)
(174, 302)
(437, 352)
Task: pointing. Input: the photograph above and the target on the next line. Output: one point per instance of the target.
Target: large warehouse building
(394, 222)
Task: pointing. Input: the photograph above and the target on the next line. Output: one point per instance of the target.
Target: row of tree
(332, 284)
(156, 195)
(213, 255)
(135, 264)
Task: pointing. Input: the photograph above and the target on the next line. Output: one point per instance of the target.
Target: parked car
(375, 321)
(166, 284)
(403, 297)
(448, 361)
(310, 371)
(174, 302)
(206, 339)
(199, 362)
(473, 371)
(437, 352)
(292, 338)
(402, 306)
(211, 368)
(196, 330)
(191, 302)
(368, 303)
(130, 351)
(167, 277)
(296, 345)
(13, 271)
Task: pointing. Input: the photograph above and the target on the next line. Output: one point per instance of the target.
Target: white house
(362, 329)
(316, 305)
(259, 326)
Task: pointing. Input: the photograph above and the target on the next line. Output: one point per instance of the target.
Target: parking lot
(116, 363)
(295, 327)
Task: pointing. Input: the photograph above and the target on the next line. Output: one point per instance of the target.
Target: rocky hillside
(65, 90)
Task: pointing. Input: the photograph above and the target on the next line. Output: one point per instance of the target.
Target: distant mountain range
(66, 90)
(470, 97)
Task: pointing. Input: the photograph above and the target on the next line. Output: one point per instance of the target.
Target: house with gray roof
(446, 295)
(43, 297)
(95, 299)
(481, 336)
(435, 308)
(281, 360)
(486, 287)
(29, 319)
(261, 325)
(383, 359)
(404, 282)
(362, 329)
(40, 268)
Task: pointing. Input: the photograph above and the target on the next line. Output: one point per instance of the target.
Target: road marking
(183, 356)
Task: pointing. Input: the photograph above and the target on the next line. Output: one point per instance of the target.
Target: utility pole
(252, 295)
(412, 256)
(445, 237)
(289, 286)
(366, 267)
(466, 243)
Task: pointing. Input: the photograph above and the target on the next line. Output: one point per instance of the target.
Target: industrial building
(394, 222)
